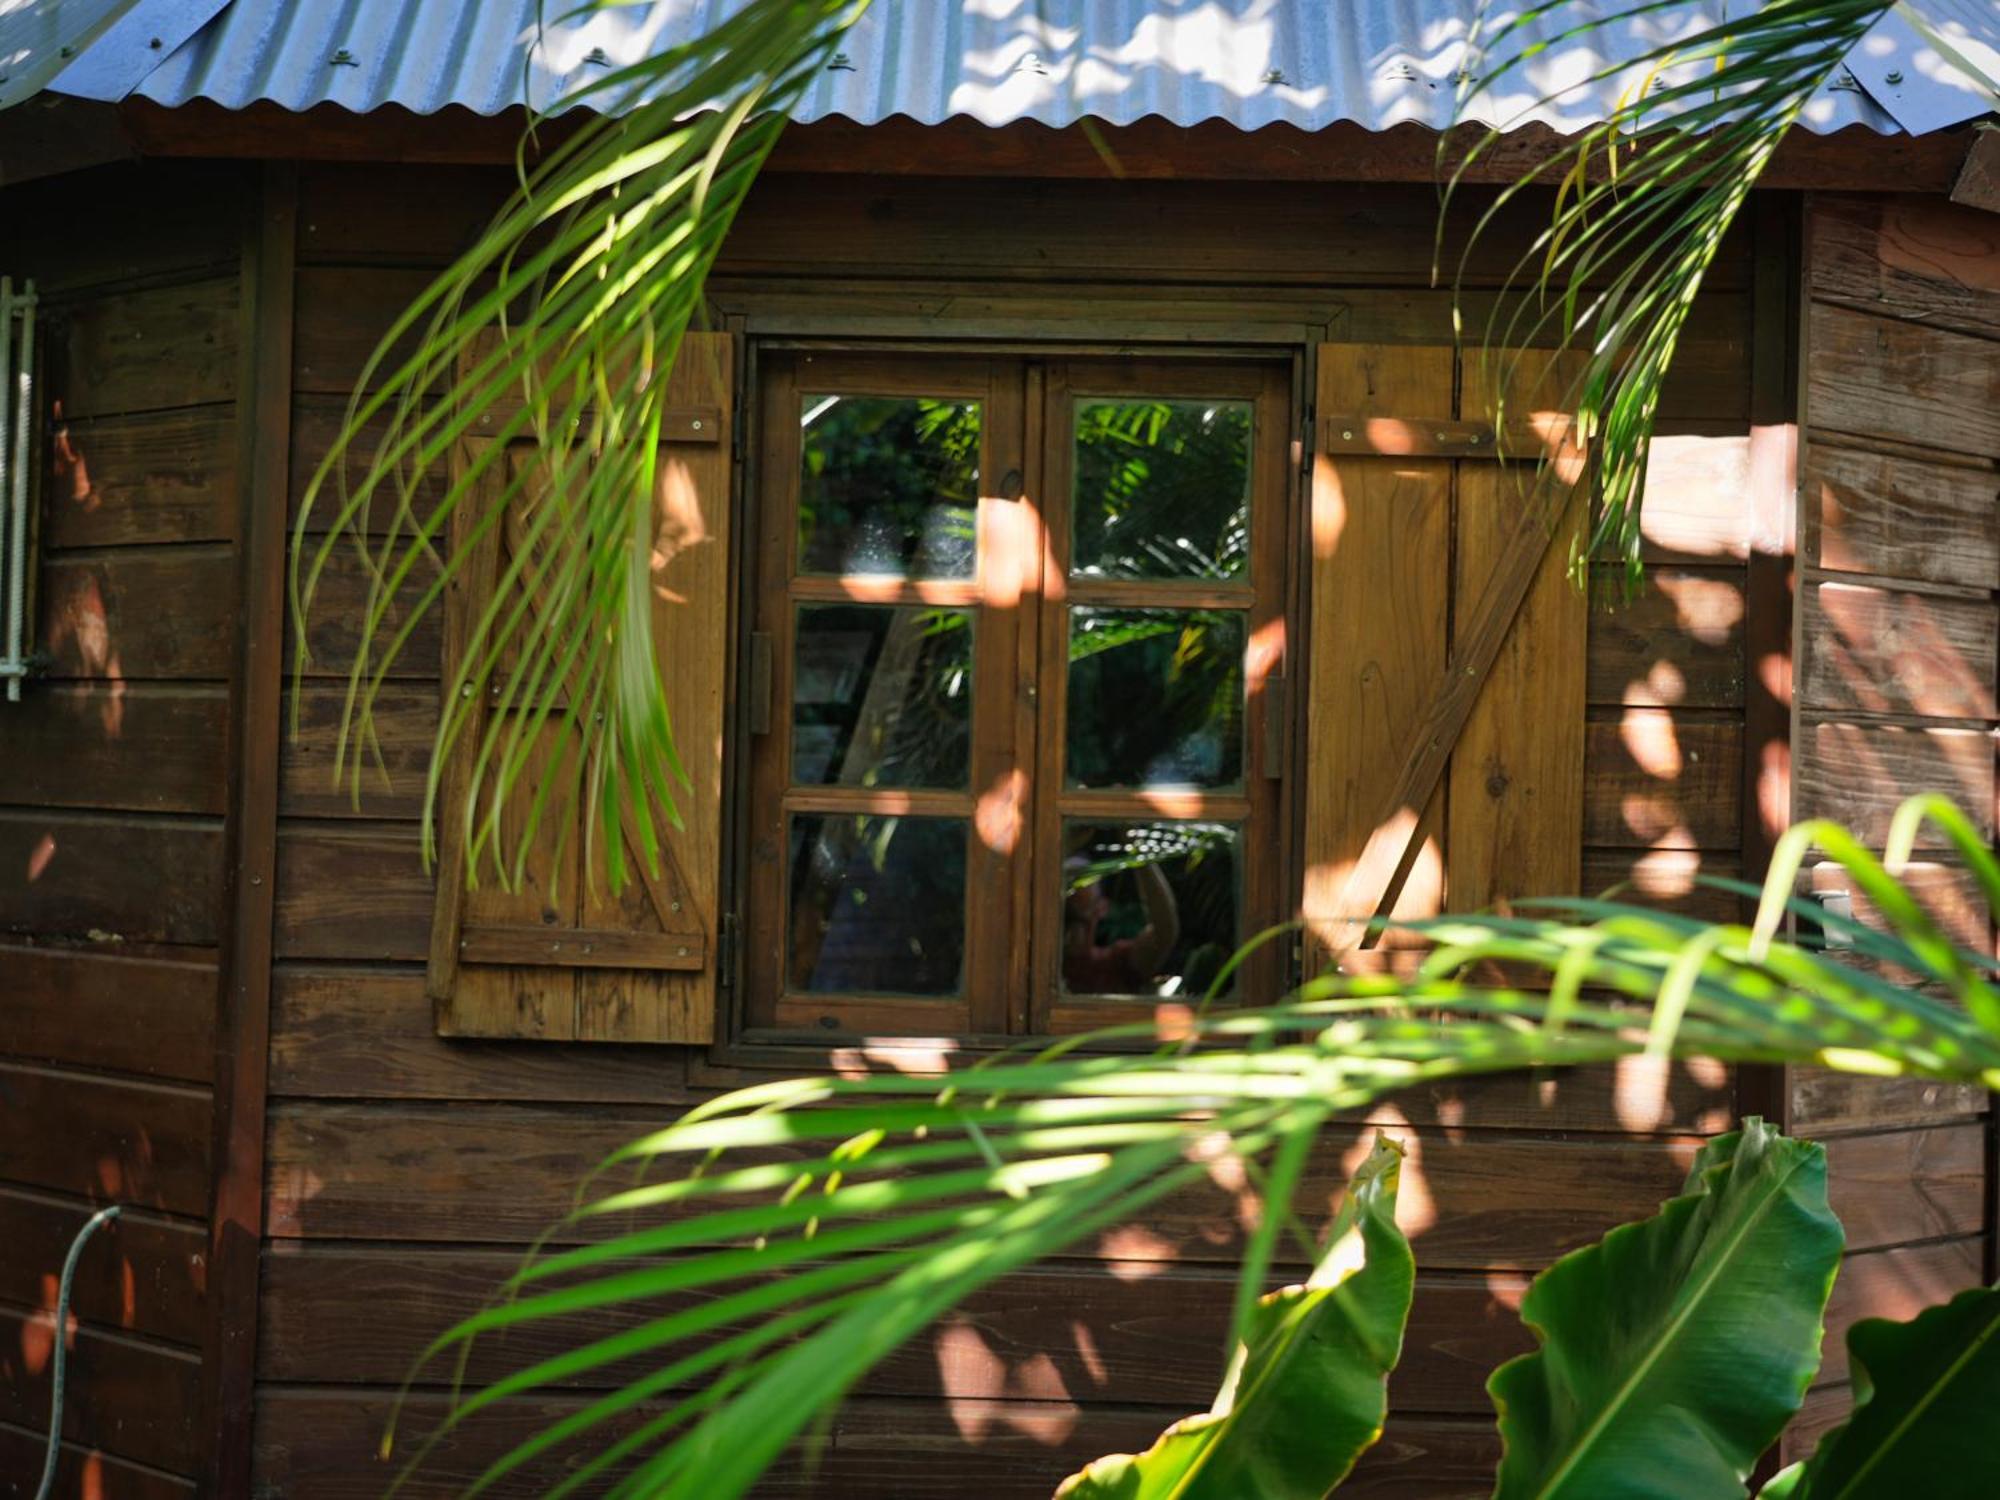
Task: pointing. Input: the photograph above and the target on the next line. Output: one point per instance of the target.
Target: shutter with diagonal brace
(1446, 643)
(560, 957)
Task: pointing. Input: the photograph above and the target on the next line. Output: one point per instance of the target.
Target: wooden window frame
(1012, 986)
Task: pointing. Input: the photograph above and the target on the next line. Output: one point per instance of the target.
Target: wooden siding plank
(107, 1140)
(140, 1273)
(83, 1470)
(1900, 517)
(342, 312)
(161, 477)
(1920, 258)
(1678, 644)
(1877, 377)
(333, 627)
(316, 1444)
(1669, 879)
(406, 722)
(1896, 1188)
(1140, 1333)
(351, 892)
(1654, 779)
(140, 747)
(1824, 1101)
(1696, 503)
(90, 1008)
(1885, 651)
(1858, 774)
(109, 878)
(452, 1173)
(1896, 1284)
(141, 613)
(147, 350)
(135, 1398)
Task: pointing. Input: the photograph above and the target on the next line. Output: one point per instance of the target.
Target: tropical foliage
(861, 1209)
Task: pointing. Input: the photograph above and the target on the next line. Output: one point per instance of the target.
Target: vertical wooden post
(243, 1019)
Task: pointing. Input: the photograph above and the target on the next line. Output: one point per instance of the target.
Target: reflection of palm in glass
(888, 486)
(1155, 698)
(1162, 489)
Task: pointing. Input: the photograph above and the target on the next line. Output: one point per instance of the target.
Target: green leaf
(1925, 1393)
(1308, 1390)
(1675, 1349)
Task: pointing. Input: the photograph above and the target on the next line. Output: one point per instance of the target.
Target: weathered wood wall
(405, 1172)
(1899, 526)
(113, 787)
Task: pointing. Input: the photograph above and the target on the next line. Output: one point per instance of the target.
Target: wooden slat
(1917, 257)
(1858, 774)
(1899, 1187)
(392, 772)
(507, 1172)
(1895, 1284)
(147, 350)
(367, 1032)
(1872, 650)
(351, 892)
(1654, 779)
(340, 605)
(341, 314)
(136, 1399)
(1825, 1408)
(83, 1471)
(142, 747)
(581, 948)
(1697, 486)
(162, 477)
(1515, 788)
(317, 420)
(1141, 1332)
(1668, 879)
(74, 231)
(315, 1444)
(1824, 1101)
(140, 1273)
(108, 1140)
(109, 878)
(1677, 644)
(94, 1008)
(1877, 377)
(1900, 517)
(138, 613)
(1950, 893)
(1377, 636)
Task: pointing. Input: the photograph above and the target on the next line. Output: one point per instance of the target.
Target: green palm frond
(812, 1226)
(1644, 200)
(558, 326)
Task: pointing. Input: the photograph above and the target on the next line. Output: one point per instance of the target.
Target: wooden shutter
(1446, 644)
(561, 958)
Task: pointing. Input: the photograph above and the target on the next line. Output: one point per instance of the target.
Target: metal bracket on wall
(17, 365)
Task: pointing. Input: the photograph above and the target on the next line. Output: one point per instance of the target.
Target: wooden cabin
(337, 1097)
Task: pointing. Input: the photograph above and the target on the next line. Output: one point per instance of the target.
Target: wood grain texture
(1878, 377)
(110, 1140)
(1900, 517)
(147, 350)
(110, 878)
(146, 612)
(317, 1444)
(1898, 1187)
(132, 1397)
(1377, 639)
(1695, 506)
(1858, 774)
(391, 783)
(341, 314)
(1678, 644)
(451, 1172)
(143, 747)
(82, 1470)
(140, 1274)
(351, 891)
(1896, 1284)
(1654, 779)
(1916, 257)
(92, 1008)
(160, 477)
(1669, 879)
(1888, 651)
(340, 605)
(1824, 1101)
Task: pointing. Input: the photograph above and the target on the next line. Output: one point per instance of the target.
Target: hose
(96, 1221)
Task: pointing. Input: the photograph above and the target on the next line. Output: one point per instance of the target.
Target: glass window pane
(878, 905)
(1162, 489)
(881, 696)
(1155, 698)
(888, 486)
(1148, 908)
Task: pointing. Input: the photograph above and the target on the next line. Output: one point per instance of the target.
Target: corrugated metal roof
(1306, 63)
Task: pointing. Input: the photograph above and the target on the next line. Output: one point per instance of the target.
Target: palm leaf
(557, 327)
(1674, 1350)
(820, 1223)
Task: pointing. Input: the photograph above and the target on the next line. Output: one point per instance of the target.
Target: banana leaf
(1674, 1350)
(1308, 1389)
(1925, 1395)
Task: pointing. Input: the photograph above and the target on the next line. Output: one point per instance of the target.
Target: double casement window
(1017, 633)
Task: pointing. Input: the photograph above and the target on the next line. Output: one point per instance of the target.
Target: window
(1017, 630)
